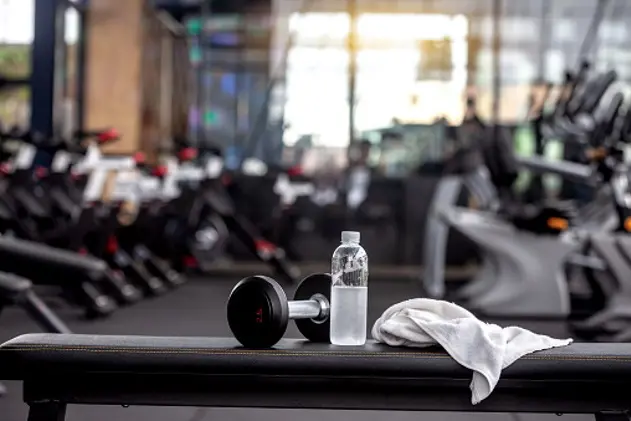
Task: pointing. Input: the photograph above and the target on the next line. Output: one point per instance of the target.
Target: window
(555, 66)
(613, 32)
(515, 30)
(16, 36)
(15, 107)
(16, 22)
(563, 30)
(390, 81)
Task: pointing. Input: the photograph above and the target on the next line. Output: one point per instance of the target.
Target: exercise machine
(523, 271)
(196, 216)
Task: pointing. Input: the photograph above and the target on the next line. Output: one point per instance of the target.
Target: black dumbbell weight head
(316, 287)
(259, 312)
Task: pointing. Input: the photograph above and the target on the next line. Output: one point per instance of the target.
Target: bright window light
(388, 84)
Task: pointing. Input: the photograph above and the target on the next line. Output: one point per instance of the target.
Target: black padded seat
(17, 251)
(138, 370)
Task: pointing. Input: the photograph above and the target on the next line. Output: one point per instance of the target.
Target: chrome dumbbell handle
(316, 308)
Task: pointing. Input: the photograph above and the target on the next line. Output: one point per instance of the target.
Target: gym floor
(198, 309)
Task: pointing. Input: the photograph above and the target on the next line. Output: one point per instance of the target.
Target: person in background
(358, 153)
(467, 158)
(358, 174)
(441, 120)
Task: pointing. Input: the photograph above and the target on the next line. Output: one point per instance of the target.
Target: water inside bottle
(348, 315)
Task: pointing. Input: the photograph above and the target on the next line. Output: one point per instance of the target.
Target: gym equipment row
(536, 254)
(110, 231)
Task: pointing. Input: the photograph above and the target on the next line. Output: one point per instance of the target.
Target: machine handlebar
(609, 119)
(594, 94)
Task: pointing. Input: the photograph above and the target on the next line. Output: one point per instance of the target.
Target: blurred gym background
(299, 82)
(313, 86)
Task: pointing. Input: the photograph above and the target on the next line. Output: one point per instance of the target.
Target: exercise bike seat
(17, 251)
(197, 371)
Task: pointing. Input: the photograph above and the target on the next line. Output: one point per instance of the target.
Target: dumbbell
(259, 312)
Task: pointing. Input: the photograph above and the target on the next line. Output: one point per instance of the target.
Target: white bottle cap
(350, 236)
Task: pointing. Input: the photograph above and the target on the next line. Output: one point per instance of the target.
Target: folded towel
(482, 347)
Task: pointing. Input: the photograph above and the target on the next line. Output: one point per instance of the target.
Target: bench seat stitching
(281, 353)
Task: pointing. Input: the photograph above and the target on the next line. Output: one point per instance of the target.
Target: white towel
(482, 347)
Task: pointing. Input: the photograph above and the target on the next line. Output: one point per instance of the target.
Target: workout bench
(61, 369)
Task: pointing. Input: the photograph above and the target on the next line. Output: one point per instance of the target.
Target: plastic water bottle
(349, 292)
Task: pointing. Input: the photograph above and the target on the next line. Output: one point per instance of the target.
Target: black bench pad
(580, 378)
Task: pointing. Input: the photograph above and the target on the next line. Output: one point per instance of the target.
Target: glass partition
(229, 54)
(415, 64)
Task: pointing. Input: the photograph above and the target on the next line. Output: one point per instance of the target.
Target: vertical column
(352, 67)
(114, 41)
(282, 39)
(496, 47)
(200, 89)
(47, 64)
(81, 58)
(167, 101)
(545, 29)
(181, 94)
(152, 69)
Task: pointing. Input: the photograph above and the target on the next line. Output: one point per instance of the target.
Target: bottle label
(351, 265)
